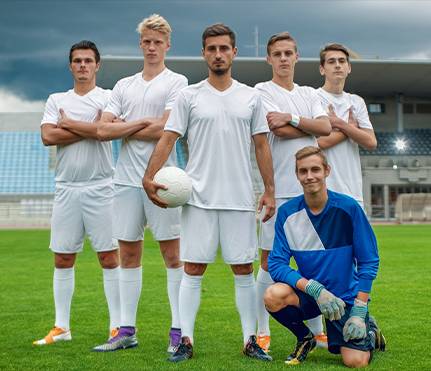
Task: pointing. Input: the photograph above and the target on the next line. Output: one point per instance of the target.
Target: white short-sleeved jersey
(133, 98)
(89, 159)
(302, 101)
(346, 176)
(219, 126)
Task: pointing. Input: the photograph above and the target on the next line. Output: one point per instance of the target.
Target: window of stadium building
(396, 190)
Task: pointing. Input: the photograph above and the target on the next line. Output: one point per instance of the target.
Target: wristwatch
(295, 120)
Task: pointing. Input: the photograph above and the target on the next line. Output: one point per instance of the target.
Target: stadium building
(397, 94)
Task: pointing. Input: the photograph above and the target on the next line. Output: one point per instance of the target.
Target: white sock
(315, 325)
(245, 297)
(174, 276)
(63, 285)
(111, 285)
(263, 281)
(189, 301)
(130, 292)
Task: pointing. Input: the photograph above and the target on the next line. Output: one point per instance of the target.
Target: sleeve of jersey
(364, 250)
(316, 105)
(179, 116)
(51, 113)
(259, 124)
(179, 84)
(114, 103)
(279, 258)
(362, 114)
(268, 104)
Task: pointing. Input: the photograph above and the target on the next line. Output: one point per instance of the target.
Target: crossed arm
(68, 131)
(279, 124)
(341, 130)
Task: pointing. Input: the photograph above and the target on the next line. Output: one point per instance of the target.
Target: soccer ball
(179, 186)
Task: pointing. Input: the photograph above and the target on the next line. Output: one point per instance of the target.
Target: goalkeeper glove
(330, 306)
(355, 327)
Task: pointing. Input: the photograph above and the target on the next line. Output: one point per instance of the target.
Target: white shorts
(202, 230)
(80, 210)
(133, 210)
(266, 230)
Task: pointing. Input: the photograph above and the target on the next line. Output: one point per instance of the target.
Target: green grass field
(401, 303)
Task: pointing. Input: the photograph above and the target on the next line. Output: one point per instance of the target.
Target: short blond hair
(311, 151)
(155, 22)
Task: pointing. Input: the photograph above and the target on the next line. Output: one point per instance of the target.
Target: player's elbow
(47, 139)
(370, 144)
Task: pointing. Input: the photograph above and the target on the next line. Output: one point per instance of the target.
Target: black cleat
(183, 352)
(379, 339)
(253, 350)
(301, 351)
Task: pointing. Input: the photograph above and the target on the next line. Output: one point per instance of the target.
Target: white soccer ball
(179, 185)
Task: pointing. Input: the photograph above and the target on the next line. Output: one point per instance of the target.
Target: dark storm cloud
(36, 35)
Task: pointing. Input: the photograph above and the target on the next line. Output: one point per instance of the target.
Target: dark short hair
(85, 44)
(279, 37)
(333, 47)
(218, 29)
(311, 151)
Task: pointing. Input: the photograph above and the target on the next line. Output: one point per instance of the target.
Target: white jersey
(302, 101)
(219, 126)
(132, 99)
(346, 176)
(87, 160)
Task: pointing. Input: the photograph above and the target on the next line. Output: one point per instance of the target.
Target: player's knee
(109, 259)
(277, 297)
(64, 260)
(194, 269)
(356, 359)
(242, 269)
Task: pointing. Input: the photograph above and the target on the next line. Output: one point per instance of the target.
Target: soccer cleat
(113, 333)
(321, 340)
(264, 341)
(184, 351)
(253, 350)
(174, 340)
(125, 338)
(301, 351)
(376, 333)
(56, 334)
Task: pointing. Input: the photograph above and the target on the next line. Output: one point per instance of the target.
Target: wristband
(295, 120)
(359, 309)
(314, 288)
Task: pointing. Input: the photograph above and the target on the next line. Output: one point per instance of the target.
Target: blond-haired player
(137, 112)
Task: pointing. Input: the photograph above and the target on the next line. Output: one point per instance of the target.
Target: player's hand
(277, 119)
(355, 327)
(336, 122)
(352, 120)
(331, 307)
(267, 203)
(151, 188)
(65, 121)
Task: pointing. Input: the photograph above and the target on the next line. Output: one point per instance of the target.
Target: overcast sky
(36, 34)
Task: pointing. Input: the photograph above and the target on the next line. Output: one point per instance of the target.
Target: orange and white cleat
(321, 340)
(264, 341)
(55, 335)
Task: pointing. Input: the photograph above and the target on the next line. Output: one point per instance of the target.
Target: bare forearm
(264, 161)
(160, 153)
(289, 132)
(364, 137)
(108, 130)
(153, 131)
(319, 126)
(58, 136)
(331, 140)
(83, 129)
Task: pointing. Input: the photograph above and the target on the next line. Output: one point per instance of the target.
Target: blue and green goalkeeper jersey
(337, 247)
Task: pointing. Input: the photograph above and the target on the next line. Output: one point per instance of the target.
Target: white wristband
(295, 120)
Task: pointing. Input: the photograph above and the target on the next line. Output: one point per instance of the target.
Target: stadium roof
(370, 77)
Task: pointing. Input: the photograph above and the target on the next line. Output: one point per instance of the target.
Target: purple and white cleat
(126, 338)
(174, 340)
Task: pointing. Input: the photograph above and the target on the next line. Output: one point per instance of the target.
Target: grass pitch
(401, 302)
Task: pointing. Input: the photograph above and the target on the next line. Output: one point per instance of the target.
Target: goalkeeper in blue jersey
(335, 249)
